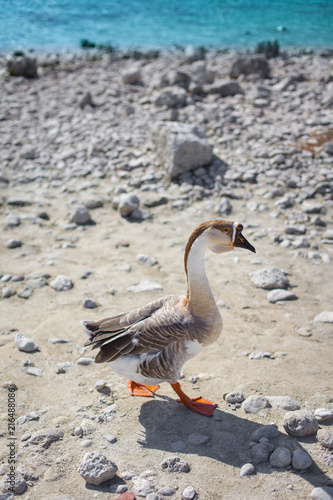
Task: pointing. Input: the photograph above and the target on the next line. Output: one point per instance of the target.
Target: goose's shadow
(169, 425)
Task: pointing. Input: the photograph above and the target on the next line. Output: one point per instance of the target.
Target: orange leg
(199, 405)
(141, 390)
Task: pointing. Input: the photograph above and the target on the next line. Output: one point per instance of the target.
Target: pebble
(312, 208)
(261, 355)
(253, 404)
(285, 402)
(281, 457)
(325, 317)
(45, 437)
(87, 426)
(270, 278)
(24, 344)
(85, 361)
(145, 286)
(265, 431)
(152, 496)
(175, 464)
(247, 470)
(223, 207)
(26, 292)
(261, 452)
(110, 438)
(300, 423)
(7, 292)
(89, 303)
(19, 484)
(100, 384)
(96, 468)
(62, 283)
(64, 367)
(279, 295)
(14, 243)
(36, 372)
(322, 493)
(325, 438)
(323, 414)
(86, 443)
(198, 439)
(12, 220)
(146, 260)
(78, 431)
(141, 486)
(301, 460)
(166, 491)
(80, 215)
(128, 203)
(234, 397)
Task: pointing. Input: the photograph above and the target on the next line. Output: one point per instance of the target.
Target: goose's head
(223, 236)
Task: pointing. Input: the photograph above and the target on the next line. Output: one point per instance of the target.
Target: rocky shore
(107, 163)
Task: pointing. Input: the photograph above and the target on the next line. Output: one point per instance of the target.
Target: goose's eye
(226, 230)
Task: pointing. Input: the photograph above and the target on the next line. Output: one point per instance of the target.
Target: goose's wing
(151, 328)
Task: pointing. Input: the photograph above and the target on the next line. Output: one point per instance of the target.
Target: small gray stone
(89, 303)
(85, 361)
(225, 88)
(26, 292)
(26, 436)
(260, 355)
(86, 101)
(301, 460)
(24, 344)
(312, 208)
(86, 443)
(87, 426)
(247, 470)
(7, 292)
(14, 243)
(279, 295)
(322, 493)
(38, 282)
(253, 404)
(128, 203)
(325, 438)
(298, 229)
(224, 206)
(45, 437)
(110, 438)
(12, 220)
(13, 483)
(131, 76)
(300, 423)
(329, 234)
(175, 464)
(80, 215)
(96, 468)
(146, 260)
(153, 496)
(64, 367)
(234, 397)
(198, 439)
(33, 415)
(267, 431)
(6, 496)
(62, 283)
(78, 431)
(323, 414)
(285, 402)
(35, 372)
(100, 384)
(166, 491)
(325, 317)
(270, 278)
(170, 97)
(141, 486)
(281, 457)
(145, 286)
(261, 452)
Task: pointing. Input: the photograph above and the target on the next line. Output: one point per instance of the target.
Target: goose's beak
(241, 242)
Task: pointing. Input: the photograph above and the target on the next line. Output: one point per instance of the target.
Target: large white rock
(270, 278)
(300, 423)
(180, 147)
(62, 283)
(96, 468)
(325, 317)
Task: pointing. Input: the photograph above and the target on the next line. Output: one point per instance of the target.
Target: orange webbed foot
(141, 390)
(198, 405)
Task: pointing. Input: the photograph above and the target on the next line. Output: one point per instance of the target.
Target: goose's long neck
(199, 293)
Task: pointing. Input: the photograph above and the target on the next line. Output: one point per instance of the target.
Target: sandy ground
(148, 430)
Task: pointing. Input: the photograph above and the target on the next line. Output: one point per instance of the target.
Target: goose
(150, 344)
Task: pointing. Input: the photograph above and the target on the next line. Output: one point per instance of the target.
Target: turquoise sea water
(61, 24)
